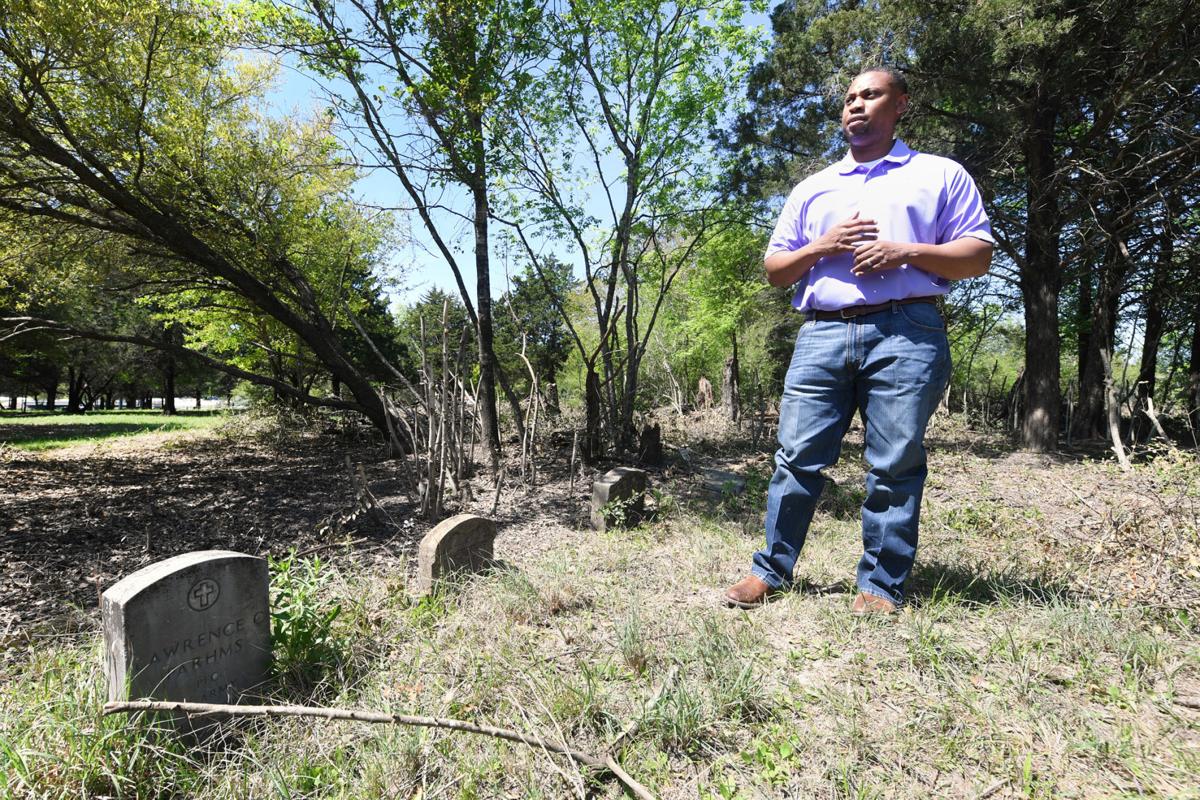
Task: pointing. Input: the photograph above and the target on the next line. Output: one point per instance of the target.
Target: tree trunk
(1112, 411)
(1155, 319)
(1083, 321)
(488, 417)
(168, 406)
(591, 400)
(1193, 392)
(514, 402)
(75, 381)
(1091, 416)
(626, 432)
(730, 385)
(1040, 273)
(12, 401)
(199, 395)
(1151, 340)
(52, 390)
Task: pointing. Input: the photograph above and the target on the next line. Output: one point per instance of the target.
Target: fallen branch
(328, 545)
(639, 791)
(607, 764)
(628, 730)
(991, 790)
(201, 709)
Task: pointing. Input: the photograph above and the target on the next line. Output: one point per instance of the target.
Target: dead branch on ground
(605, 765)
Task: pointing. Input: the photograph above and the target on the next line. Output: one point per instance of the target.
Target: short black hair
(894, 75)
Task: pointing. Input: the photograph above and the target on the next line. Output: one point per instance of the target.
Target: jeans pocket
(924, 315)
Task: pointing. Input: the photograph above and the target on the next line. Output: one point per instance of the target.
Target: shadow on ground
(935, 581)
(23, 434)
(74, 524)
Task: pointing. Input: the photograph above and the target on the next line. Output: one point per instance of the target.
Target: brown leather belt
(859, 311)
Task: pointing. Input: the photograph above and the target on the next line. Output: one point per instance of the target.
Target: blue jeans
(892, 366)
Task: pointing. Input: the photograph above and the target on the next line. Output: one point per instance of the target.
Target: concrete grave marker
(722, 482)
(623, 485)
(462, 543)
(195, 627)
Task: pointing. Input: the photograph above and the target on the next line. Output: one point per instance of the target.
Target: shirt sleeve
(963, 213)
(789, 230)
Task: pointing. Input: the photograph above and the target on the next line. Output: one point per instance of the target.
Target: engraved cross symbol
(203, 594)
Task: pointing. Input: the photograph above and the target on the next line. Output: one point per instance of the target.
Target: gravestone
(650, 449)
(624, 487)
(196, 627)
(721, 482)
(462, 543)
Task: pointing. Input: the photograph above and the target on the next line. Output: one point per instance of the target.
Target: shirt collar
(899, 154)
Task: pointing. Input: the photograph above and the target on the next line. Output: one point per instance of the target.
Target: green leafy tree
(135, 122)
(420, 326)
(1069, 122)
(615, 160)
(430, 87)
(528, 322)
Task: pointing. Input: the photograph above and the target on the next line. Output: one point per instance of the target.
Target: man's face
(871, 109)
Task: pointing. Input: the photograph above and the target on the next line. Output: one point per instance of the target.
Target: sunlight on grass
(44, 431)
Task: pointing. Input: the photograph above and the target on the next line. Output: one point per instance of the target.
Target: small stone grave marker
(722, 482)
(195, 627)
(462, 543)
(623, 485)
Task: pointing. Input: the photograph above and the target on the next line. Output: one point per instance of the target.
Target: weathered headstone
(650, 449)
(462, 543)
(618, 497)
(722, 482)
(195, 627)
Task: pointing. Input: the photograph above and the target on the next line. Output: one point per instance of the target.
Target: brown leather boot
(866, 604)
(750, 592)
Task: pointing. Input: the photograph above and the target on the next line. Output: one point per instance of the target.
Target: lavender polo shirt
(913, 197)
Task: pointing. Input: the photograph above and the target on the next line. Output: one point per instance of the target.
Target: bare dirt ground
(77, 519)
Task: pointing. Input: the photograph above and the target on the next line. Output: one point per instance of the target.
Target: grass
(1003, 673)
(43, 430)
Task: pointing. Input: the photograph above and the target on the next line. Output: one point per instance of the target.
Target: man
(872, 241)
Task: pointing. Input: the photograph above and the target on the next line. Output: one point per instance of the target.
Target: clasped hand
(859, 236)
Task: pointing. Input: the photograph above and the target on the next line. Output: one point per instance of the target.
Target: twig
(379, 717)
(1084, 500)
(359, 478)
(639, 791)
(499, 486)
(571, 471)
(1187, 701)
(329, 545)
(608, 764)
(650, 704)
(991, 790)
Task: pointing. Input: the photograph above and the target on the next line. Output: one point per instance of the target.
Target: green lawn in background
(44, 430)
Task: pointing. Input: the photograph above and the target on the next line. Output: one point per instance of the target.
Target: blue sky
(417, 264)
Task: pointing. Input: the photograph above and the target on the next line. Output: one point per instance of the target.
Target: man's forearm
(788, 266)
(963, 258)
